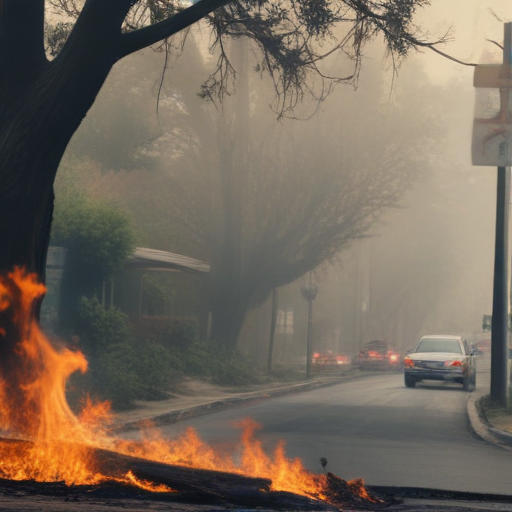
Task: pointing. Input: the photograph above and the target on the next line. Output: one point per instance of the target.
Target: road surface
(377, 429)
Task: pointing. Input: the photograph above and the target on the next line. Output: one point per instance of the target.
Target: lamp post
(309, 292)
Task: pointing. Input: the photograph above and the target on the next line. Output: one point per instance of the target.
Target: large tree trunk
(41, 105)
(228, 314)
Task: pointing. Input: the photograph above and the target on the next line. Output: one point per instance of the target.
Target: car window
(378, 346)
(439, 345)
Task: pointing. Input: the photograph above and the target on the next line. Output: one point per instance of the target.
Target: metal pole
(309, 351)
(309, 293)
(272, 331)
(499, 332)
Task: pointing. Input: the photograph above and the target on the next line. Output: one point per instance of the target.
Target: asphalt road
(377, 429)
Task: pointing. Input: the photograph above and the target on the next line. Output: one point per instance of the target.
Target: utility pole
(309, 292)
(272, 331)
(492, 145)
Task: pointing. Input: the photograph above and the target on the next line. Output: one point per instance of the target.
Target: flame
(33, 408)
(249, 459)
(33, 402)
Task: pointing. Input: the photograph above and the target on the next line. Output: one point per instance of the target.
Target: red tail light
(408, 362)
(453, 363)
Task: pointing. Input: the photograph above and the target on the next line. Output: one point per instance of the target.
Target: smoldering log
(198, 484)
(180, 478)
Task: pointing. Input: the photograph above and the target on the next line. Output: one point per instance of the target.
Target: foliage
(97, 234)
(158, 294)
(219, 365)
(292, 37)
(100, 328)
(175, 333)
(122, 369)
(125, 367)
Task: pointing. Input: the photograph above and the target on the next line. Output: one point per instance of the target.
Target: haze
(425, 266)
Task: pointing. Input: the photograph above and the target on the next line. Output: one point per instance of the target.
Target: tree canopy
(293, 38)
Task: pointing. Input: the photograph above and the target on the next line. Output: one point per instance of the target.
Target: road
(377, 429)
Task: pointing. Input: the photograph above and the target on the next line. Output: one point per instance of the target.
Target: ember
(51, 444)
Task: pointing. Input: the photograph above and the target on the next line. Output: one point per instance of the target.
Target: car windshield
(439, 345)
(378, 347)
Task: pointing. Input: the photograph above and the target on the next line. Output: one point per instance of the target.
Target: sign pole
(499, 332)
(500, 321)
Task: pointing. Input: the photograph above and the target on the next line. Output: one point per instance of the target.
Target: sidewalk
(498, 429)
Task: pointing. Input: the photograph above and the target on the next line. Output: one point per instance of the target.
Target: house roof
(151, 259)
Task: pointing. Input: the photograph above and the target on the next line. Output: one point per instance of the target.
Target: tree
(265, 216)
(43, 101)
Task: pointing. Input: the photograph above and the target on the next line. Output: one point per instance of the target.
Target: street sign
(492, 125)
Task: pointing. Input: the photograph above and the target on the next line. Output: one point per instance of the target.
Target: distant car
(330, 360)
(378, 355)
(441, 357)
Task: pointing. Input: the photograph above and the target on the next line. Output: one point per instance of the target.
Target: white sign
(492, 126)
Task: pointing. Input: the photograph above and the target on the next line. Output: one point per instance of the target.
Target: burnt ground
(35, 496)
(57, 497)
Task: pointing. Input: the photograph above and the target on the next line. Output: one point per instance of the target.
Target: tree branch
(144, 37)
(98, 28)
(449, 57)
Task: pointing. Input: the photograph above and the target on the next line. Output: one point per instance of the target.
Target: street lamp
(309, 292)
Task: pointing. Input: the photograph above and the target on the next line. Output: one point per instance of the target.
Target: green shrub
(99, 328)
(97, 234)
(220, 366)
(175, 333)
(157, 366)
(122, 369)
(115, 375)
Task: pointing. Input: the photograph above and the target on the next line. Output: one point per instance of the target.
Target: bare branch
(496, 43)
(147, 36)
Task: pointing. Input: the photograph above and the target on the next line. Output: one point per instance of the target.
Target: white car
(441, 357)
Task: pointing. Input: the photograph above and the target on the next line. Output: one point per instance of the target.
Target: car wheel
(409, 381)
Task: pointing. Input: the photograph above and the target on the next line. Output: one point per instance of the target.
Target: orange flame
(37, 411)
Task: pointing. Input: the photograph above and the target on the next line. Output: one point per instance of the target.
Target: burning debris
(46, 442)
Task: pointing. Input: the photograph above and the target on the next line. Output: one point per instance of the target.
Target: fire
(251, 459)
(54, 444)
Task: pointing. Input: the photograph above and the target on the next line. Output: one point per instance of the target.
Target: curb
(242, 399)
(482, 428)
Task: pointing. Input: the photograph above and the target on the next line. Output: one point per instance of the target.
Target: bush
(99, 328)
(125, 367)
(175, 333)
(122, 369)
(97, 234)
(158, 365)
(208, 361)
(115, 377)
